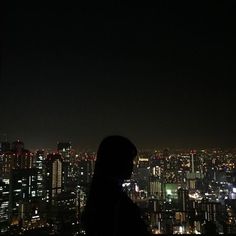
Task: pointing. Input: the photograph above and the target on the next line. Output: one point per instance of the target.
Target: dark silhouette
(109, 211)
(210, 228)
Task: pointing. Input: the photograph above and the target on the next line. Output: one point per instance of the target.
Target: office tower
(16, 158)
(181, 215)
(85, 172)
(169, 166)
(212, 210)
(22, 158)
(183, 199)
(213, 216)
(157, 177)
(65, 212)
(53, 177)
(4, 188)
(39, 165)
(68, 166)
(23, 185)
(142, 171)
(5, 164)
(194, 175)
(155, 187)
(155, 215)
(23, 191)
(230, 216)
(4, 203)
(62, 206)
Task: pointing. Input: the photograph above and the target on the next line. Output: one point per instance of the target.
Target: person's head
(115, 157)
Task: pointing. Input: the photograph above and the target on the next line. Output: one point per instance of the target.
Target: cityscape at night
(178, 191)
(163, 76)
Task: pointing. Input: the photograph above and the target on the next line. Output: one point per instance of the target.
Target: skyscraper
(23, 183)
(4, 203)
(193, 175)
(22, 158)
(53, 176)
(39, 164)
(65, 150)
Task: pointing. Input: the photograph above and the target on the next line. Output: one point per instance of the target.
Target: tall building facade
(18, 168)
(39, 165)
(68, 166)
(53, 177)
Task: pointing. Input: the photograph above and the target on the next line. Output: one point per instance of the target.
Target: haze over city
(162, 76)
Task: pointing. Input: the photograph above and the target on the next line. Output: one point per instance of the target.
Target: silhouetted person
(109, 211)
(210, 228)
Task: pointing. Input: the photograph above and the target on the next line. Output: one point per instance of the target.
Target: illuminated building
(131, 188)
(16, 158)
(4, 204)
(85, 172)
(155, 187)
(157, 178)
(155, 214)
(183, 199)
(65, 150)
(18, 167)
(193, 175)
(53, 177)
(230, 220)
(23, 189)
(171, 191)
(22, 159)
(4, 187)
(39, 164)
(185, 192)
(142, 171)
(5, 164)
(212, 211)
(65, 211)
(181, 216)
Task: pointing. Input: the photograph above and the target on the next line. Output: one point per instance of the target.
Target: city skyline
(77, 148)
(177, 191)
(161, 76)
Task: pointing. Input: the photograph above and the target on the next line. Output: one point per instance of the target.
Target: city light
(180, 188)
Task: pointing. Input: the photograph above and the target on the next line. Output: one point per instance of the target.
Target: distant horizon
(76, 146)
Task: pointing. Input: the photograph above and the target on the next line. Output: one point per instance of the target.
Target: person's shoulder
(130, 218)
(127, 203)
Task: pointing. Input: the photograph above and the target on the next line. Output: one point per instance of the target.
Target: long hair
(114, 163)
(114, 155)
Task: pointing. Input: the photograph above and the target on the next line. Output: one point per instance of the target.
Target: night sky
(162, 76)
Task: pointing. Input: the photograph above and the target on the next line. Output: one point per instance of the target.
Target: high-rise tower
(53, 176)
